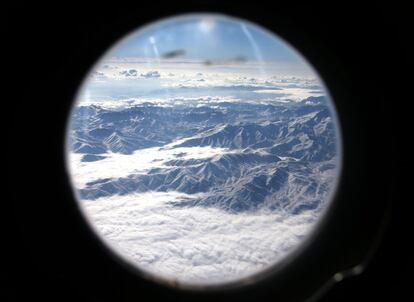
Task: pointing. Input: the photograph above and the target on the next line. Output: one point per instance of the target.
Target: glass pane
(203, 149)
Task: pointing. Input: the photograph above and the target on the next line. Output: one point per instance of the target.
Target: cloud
(108, 66)
(129, 73)
(194, 245)
(210, 100)
(116, 165)
(150, 74)
(294, 94)
(98, 75)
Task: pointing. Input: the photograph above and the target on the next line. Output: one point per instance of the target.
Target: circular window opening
(203, 149)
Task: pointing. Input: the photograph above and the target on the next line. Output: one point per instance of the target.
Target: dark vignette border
(62, 257)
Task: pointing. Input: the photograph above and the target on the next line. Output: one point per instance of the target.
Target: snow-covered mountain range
(280, 156)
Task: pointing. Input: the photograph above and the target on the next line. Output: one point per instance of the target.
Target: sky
(161, 58)
(208, 37)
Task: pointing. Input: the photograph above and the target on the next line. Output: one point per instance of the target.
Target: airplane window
(203, 150)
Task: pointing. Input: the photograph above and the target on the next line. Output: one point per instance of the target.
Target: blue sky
(206, 37)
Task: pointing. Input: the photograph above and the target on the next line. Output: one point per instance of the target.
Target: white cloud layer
(168, 76)
(194, 245)
(116, 165)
